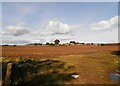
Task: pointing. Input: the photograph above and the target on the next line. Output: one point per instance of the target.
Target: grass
(92, 68)
(30, 72)
(117, 53)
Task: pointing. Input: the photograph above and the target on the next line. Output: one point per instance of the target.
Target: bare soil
(48, 51)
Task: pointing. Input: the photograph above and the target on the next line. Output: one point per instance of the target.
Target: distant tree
(82, 43)
(5, 45)
(57, 42)
(14, 45)
(72, 42)
(40, 43)
(35, 43)
(102, 44)
(47, 43)
(92, 43)
(51, 44)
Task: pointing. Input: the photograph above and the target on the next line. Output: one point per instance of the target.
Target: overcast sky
(46, 21)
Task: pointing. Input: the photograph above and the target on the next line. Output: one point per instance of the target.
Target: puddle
(114, 77)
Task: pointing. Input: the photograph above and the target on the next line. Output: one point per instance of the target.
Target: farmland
(48, 51)
(92, 63)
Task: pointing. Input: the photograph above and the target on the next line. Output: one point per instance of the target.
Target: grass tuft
(30, 72)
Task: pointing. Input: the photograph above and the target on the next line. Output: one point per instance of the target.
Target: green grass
(92, 68)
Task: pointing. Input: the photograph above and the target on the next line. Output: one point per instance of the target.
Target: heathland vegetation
(54, 65)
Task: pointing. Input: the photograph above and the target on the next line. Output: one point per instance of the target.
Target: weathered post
(8, 74)
(0, 82)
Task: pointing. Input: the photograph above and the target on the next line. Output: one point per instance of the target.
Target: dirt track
(47, 51)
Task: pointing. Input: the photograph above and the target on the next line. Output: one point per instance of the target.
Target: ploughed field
(48, 65)
(48, 51)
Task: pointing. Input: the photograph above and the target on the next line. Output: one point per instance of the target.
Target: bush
(116, 52)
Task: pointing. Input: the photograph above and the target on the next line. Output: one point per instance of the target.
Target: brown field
(48, 51)
(92, 63)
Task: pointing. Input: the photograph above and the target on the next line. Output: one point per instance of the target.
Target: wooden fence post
(8, 74)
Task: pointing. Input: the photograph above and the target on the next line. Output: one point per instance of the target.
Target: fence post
(8, 74)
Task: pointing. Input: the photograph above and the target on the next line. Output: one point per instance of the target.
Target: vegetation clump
(116, 52)
(30, 72)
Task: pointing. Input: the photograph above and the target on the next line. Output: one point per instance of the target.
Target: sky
(60, 0)
(43, 22)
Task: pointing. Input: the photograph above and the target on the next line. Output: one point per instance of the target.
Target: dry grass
(92, 63)
(50, 51)
(92, 68)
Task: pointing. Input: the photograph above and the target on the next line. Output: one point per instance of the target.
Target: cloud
(105, 24)
(54, 27)
(16, 30)
(58, 27)
(15, 41)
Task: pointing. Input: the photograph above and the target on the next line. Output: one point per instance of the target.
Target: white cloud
(58, 27)
(54, 29)
(16, 30)
(105, 24)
